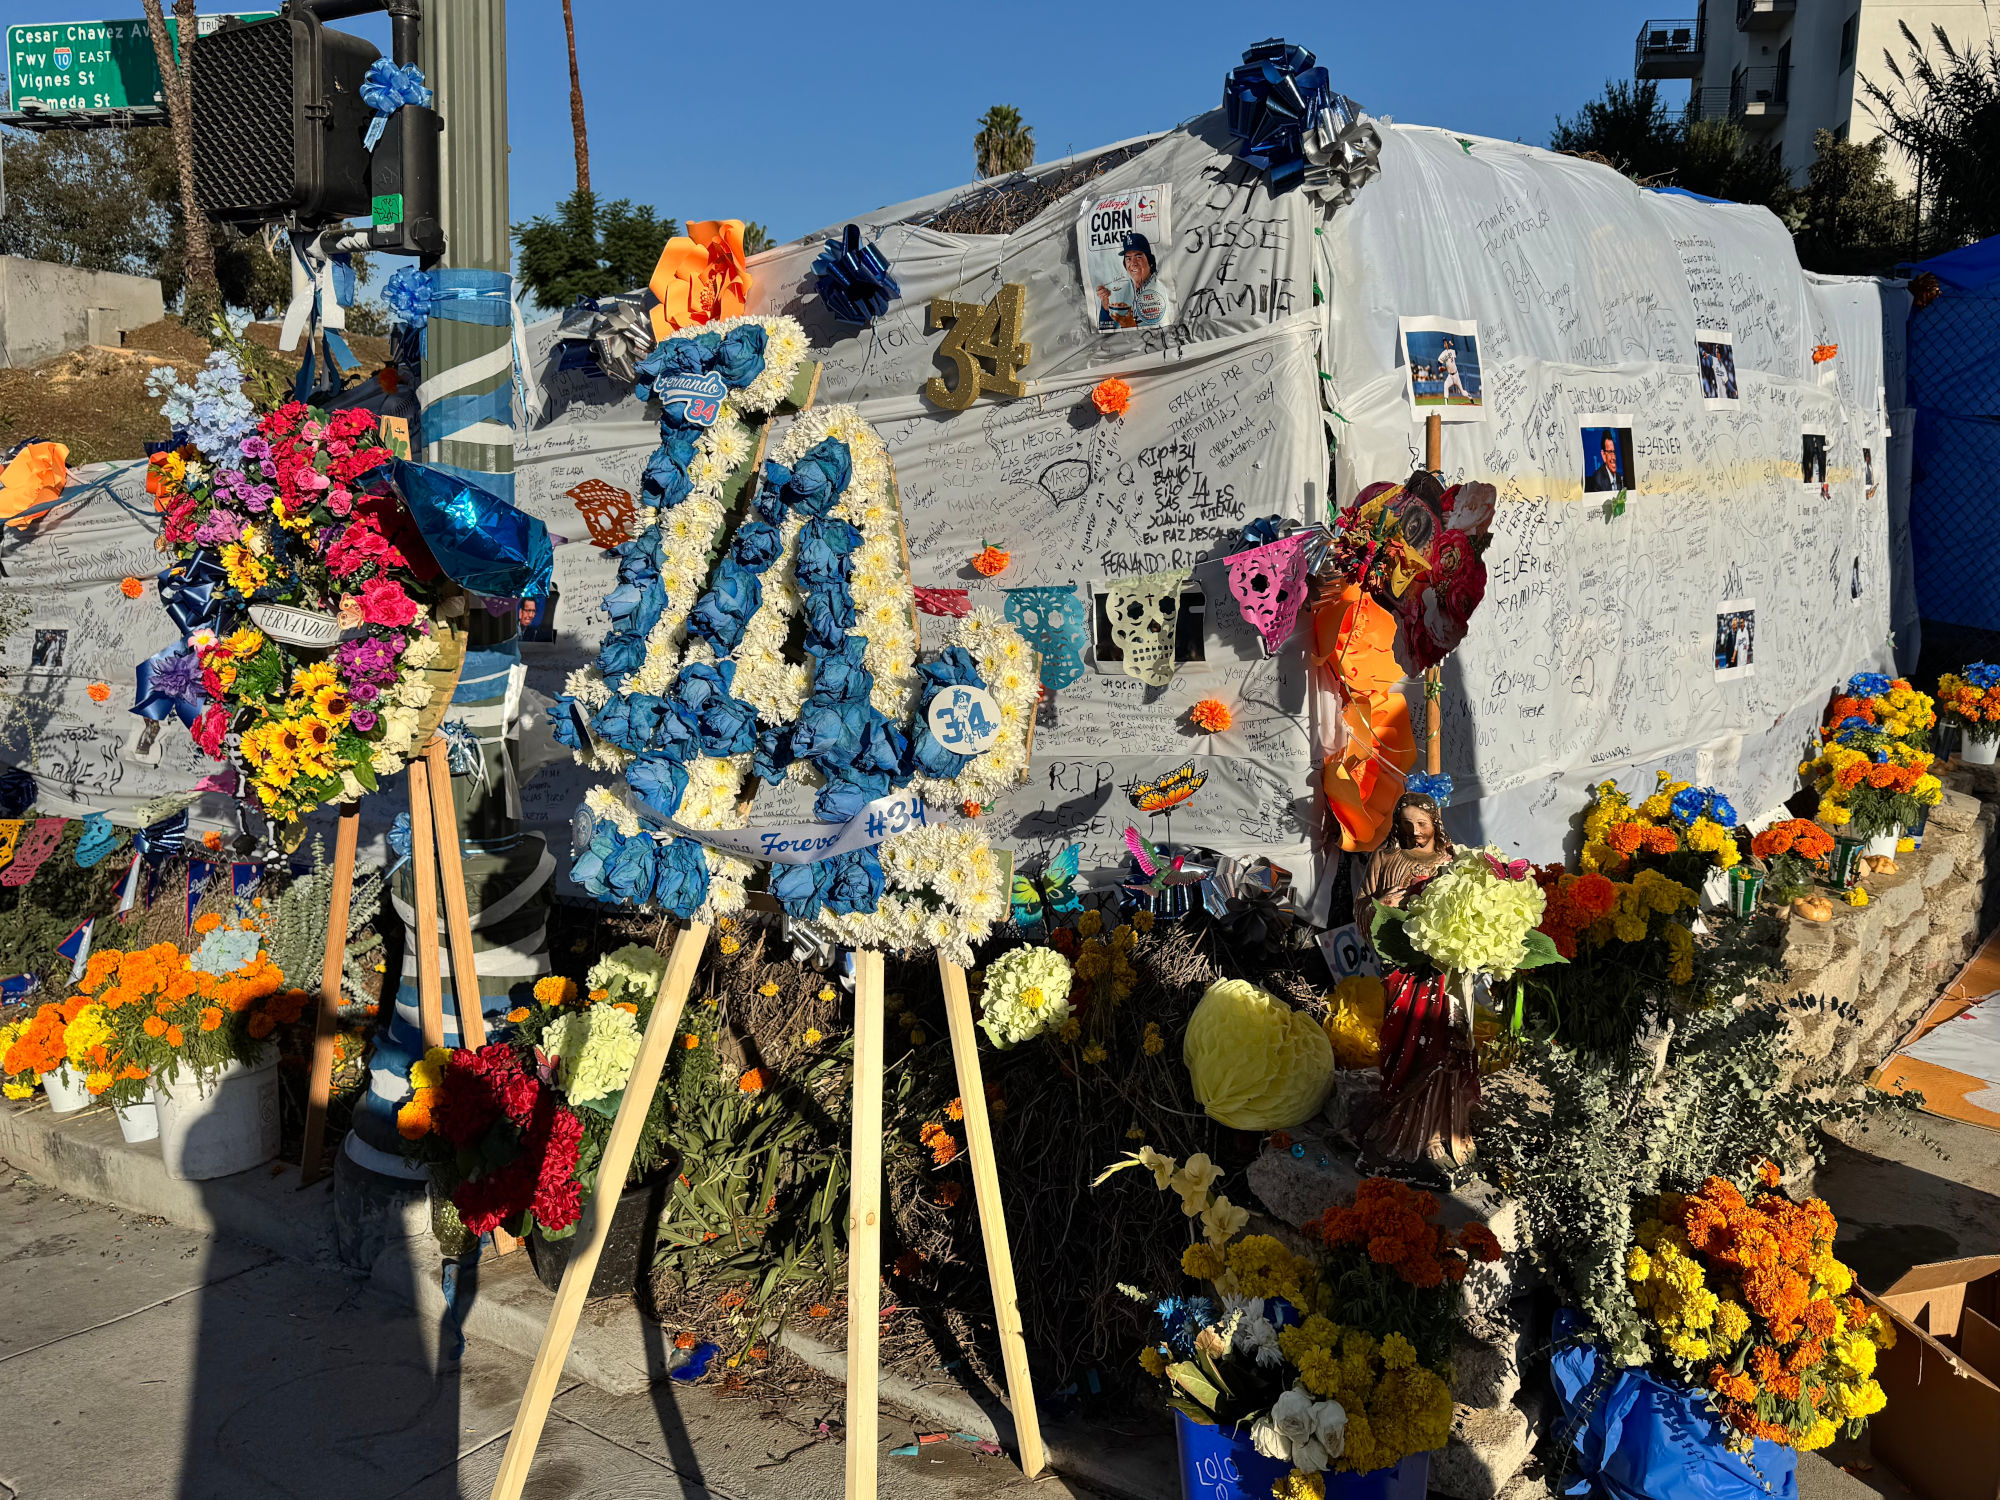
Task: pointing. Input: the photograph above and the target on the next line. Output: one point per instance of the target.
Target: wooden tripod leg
(992, 1218)
(596, 1225)
(457, 914)
(423, 877)
(320, 1088)
(864, 1230)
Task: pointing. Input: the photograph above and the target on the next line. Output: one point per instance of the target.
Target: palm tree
(1003, 144)
(576, 105)
(200, 298)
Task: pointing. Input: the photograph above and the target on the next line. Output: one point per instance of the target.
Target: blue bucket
(1218, 1463)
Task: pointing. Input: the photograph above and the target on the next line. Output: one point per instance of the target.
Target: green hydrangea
(1471, 920)
(1027, 993)
(629, 975)
(595, 1048)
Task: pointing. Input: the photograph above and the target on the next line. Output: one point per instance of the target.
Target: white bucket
(1977, 752)
(213, 1127)
(66, 1090)
(1883, 845)
(141, 1121)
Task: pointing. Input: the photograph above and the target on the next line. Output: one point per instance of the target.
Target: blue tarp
(1955, 389)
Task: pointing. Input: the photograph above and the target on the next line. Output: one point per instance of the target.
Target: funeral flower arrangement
(1682, 829)
(1339, 1362)
(1742, 1297)
(693, 694)
(281, 524)
(1971, 700)
(513, 1132)
(1794, 851)
(1873, 769)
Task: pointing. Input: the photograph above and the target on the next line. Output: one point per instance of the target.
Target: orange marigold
(1626, 838)
(210, 1018)
(1112, 397)
(751, 1082)
(131, 588)
(1212, 716)
(175, 1036)
(991, 561)
(261, 1025)
(100, 692)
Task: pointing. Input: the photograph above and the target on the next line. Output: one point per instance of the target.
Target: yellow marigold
(768, 988)
(1202, 1261)
(554, 989)
(1732, 1321)
(1153, 1044)
(1857, 897)
(1153, 1362)
(813, 1036)
(1398, 1353)
(1090, 923)
(1143, 920)
(1299, 1485)
(1094, 1053)
(1212, 716)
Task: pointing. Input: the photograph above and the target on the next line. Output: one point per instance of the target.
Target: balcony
(1757, 96)
(1764, 15)
(1668, 49)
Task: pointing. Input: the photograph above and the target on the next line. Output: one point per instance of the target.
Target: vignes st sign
(93, 65)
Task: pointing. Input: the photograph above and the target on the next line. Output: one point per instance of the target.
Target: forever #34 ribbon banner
(806, 843)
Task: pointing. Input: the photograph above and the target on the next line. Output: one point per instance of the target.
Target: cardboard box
(1941, 1429)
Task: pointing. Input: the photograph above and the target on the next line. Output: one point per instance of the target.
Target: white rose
(1292, 1415)
(1330, 1428)
(1269, 1441)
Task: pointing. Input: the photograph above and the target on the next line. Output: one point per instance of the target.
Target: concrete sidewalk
(139, 1359)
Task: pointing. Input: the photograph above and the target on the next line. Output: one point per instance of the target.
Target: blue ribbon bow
(187, 592)
(1424, 784)
(408, 294)
(386, 89)
(854, 279)
(162, 840)
(169, 682)
(1270, 102)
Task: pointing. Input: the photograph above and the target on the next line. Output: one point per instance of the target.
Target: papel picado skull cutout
(1145, 614)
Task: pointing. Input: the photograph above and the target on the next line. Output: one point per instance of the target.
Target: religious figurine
(1430, 1069)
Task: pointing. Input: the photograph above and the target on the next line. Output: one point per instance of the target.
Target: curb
(501, 1302)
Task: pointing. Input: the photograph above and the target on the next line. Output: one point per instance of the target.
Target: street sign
(93, 65)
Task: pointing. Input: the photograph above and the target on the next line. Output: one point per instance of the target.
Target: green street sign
(93, 65)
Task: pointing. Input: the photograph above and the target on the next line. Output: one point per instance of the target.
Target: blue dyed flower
(665, 482)
(616, 868)
(774, 753)
(1689, 803)
(1183, 1318)
(829, 615)
(813, 485)
(680, 880)
(739, 359)
(839, 676)
(1438, 788)
(721, 724)
(1983, 675)
(678, 356)
(855, 885)
(630, 723)
(620, 655)
(757, 545)
(722, 614)
(562, 723)
(848, 792)
(1720, 811)
(797, 888)
(826, 554)
(1867, 685)
(660, 780)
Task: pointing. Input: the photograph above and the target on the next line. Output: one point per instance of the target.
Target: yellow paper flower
(1255, 1063)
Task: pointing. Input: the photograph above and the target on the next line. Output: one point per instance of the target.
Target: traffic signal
(278, 133)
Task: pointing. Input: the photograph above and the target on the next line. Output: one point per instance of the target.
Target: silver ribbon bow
(1342, 150)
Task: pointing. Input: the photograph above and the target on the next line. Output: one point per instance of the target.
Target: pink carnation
(383, 602)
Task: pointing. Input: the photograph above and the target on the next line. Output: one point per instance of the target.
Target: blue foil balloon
(482, 543)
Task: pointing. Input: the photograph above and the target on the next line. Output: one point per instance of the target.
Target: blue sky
(798, 115)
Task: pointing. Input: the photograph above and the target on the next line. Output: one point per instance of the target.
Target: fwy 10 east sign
(90, 65)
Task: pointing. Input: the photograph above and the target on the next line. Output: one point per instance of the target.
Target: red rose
(383, 602)
(210, 727)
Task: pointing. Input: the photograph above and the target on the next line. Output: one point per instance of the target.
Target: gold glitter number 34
(984, 344)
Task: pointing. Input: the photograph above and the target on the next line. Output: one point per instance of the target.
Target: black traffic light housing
(279, 123)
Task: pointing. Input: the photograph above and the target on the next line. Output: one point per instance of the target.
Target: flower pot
(1219, 1463)
(1883, 845)
(1745, 886)
(1977, 752)
(211, 1127)
(294, 626)
(628, 1250)
(1844, 864)
(140, 1121)
(66, 1090)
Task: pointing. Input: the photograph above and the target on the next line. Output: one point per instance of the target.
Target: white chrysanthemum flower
(607, 806)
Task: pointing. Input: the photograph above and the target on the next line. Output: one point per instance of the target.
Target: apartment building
(1783, 69)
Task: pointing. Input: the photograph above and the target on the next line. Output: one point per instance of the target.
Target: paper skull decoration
(1269, 583)
(1145, 615)
(1050, 620)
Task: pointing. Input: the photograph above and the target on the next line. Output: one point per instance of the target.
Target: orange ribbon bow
(701, 277)
(33, 482)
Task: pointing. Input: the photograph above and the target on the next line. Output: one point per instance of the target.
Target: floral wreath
(692, 694)
(271, 521)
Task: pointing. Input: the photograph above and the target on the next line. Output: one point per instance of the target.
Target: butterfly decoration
(1055, 895)
(1516, 870)
(1169, 792)
(1160, 869)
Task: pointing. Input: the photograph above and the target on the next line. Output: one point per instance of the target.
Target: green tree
(1851, 218)
(90, 198)
(1628, 127)
(199, 292)
(756, 237)
(1943, 112)
(588, 250)
(1004, 144)
(1718, 159)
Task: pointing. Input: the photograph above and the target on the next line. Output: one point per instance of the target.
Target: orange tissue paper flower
(1824, 352)
(131, 588)
(1111, 397)
(100, 692)
(701, 277)
(33, 481)
(991, 561)
(1212, 715)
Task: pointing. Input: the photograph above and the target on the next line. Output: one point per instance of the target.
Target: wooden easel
(1433, 678)
(433, 851)
(864, 1224)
